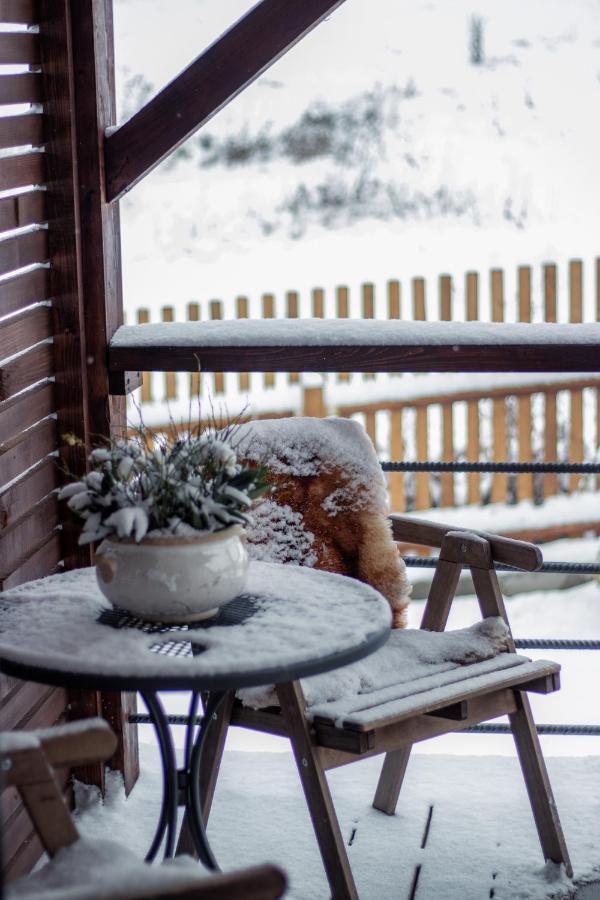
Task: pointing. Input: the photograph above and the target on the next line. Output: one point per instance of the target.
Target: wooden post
(313, 402)
(368, 312)
(473, 443)
(500, 442)
(93, 110)
(524, 294)
(472, 301)
(268, 312)
(64, 249)
(371, 426)
(318, 303)
(422, 495)
(397, 491)
(445, 298)
(598, 289)
(394, 300)
(575, 435)
(419, 308)
(576, 416)
(342, 312)
(575, 291)
(549, 292)
(550, 441)
(447, 478)
(497, 292)
(524, 424)
(94, 106)
(291, 312)
(143, 317)
(193, 315)
(241, 310)
(168, 315)
(216, 312)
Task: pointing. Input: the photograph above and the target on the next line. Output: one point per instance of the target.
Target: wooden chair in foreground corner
(85, 871)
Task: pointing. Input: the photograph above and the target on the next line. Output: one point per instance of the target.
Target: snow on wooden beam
(297, 345)
(236, 59)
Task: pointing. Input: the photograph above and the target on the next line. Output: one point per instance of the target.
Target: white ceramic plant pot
(178, 579)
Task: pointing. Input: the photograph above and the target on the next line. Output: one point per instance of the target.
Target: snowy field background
(374, 149)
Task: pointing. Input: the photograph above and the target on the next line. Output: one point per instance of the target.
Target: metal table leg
(193, 799)
(181, 787)
(167, 821)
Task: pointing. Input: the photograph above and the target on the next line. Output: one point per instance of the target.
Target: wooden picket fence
(541, 421)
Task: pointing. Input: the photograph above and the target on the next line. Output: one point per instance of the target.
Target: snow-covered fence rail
(527, 295)
(485, 417)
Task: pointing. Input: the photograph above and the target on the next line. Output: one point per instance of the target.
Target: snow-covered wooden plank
(472, 682)
(340, 345)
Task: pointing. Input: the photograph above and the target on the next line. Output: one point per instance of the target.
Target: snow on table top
(347, 332)
(302, 615)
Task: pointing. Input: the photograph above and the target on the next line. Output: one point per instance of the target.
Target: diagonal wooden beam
(229, 65)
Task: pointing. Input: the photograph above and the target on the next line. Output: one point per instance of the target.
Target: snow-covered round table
(290, 623)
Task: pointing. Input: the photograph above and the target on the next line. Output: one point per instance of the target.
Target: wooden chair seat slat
(463, 683)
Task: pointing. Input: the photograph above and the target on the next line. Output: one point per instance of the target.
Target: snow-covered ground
(481, 840)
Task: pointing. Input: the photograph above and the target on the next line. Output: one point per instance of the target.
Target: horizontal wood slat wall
(19, 12)
(16, 131)
(25, 88)
(23, 209)
(22, 170)
(19, 49)
(31, 543)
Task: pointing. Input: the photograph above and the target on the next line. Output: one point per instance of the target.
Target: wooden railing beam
(575, 357)
(214, 78)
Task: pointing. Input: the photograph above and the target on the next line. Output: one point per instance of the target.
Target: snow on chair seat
(429, 693)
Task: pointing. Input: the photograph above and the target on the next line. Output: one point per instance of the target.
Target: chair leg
(538, 785)
(316, 791)
(212, 756)
(390, 780)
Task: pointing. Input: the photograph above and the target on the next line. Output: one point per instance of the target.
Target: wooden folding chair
(485, 692)
(29, 761)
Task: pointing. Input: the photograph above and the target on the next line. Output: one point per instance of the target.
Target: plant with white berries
(184, 486)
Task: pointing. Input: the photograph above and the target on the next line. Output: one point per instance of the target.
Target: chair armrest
(519, 554)
(72, 744)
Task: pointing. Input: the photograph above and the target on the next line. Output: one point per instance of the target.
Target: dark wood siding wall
(36, 405)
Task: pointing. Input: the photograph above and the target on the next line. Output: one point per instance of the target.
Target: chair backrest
(29, 763)
(329, 506)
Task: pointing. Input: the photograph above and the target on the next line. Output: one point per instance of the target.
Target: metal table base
(181, 786)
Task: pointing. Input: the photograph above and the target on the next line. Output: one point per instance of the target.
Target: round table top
(290, 623)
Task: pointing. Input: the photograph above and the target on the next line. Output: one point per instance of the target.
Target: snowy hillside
(376, 148)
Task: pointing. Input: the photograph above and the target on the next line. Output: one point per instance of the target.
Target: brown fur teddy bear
(329, 504)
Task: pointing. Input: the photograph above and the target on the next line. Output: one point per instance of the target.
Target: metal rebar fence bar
(511, 468)
(564, 568)
(487, 728)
